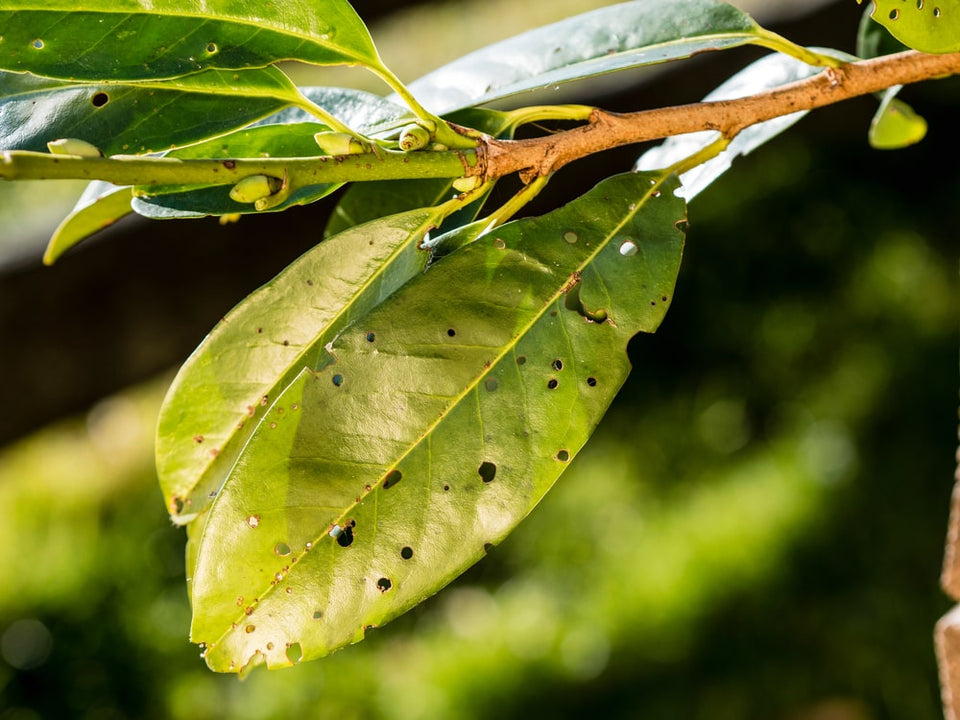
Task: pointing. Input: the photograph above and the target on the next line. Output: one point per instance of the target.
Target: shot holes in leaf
(393, 477)
(553, 384)
(592, 381)
(337, 380)
(451, 332)
(557, 364)
(406, 552)
(384, 584)
(491, 384)
(487, 471)
(521, 360)
(281, 549)
(563, 456)
(317, 614)
(99, 99)
(295, 652)
(371, 337)
(37, 44)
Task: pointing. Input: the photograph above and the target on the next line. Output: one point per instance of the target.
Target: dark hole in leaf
(294, 652)
(406, 552)
(337, 380)
(451, 332)
(393, 477)
(371, 337)
(384, 584)
(281, 549)
(100, 99)
(563, 456)
(522, 360)
(345, 539)
(552, 383)
(487, 471)
(557, 364)
(592, 381)
(487, 547)
(446, 488)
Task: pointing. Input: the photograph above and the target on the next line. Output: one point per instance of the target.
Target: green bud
(338, 143)
(72, 146)
(413, 137)
(253, 188)
(466, 184)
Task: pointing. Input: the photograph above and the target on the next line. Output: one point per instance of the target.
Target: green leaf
(764, 74)
(100, 205)
(613, 38)
(363, 202)
(135, 40)
(895, 124)
(931, 26)
(436, 424)
(224, 388)
(874, 40)
(136, 118)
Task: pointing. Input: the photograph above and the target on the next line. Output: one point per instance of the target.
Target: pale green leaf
(631, 34)
(139, 39)
(100, 205)
(766, 73)
(895, 125)
(931, 26)
(431, 426)
(226, 386)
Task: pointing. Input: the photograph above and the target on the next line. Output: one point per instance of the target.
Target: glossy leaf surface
(431, 426)
(133, 40)
(248, 359)
(642, 32)
(764, 74)
(931, 26)
(895, 125)
(100, 205)
(136, 118)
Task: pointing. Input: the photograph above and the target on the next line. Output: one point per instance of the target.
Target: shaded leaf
(432, 427)
(932, 27)
(764, 74)
(895, 124)
(225, 386)
(136, 118)
(627, 35)
(100, 205)
(874, 40)
(133, 40)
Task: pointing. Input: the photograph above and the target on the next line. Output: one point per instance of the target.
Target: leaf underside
(431, 426)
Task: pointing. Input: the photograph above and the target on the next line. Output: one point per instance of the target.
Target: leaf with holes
(931, 26)
(225, 387)
(135, 40)
(431, 426)
(618, 37)
(134, 118)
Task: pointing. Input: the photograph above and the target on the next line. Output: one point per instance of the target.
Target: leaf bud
(466, 184)
(338, 143)
(253, 188)
(73, 146)
(413, 137)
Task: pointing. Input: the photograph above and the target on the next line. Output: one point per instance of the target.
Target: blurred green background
(755, 530)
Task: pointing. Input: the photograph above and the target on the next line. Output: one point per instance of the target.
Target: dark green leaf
(255, 352)
(136, 118)
(431, 426)
(932, 27)
(133, 40)
(613, 38)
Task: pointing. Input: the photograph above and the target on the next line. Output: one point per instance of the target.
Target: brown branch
(544, 155)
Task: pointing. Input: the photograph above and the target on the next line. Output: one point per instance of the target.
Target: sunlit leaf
(135, 40)
(100, 205)
(895, 124)
(930, 26)
(431, 426)
(227, 384)
(764, 74)
(874, 40)
(630, 34)
(135, 118)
